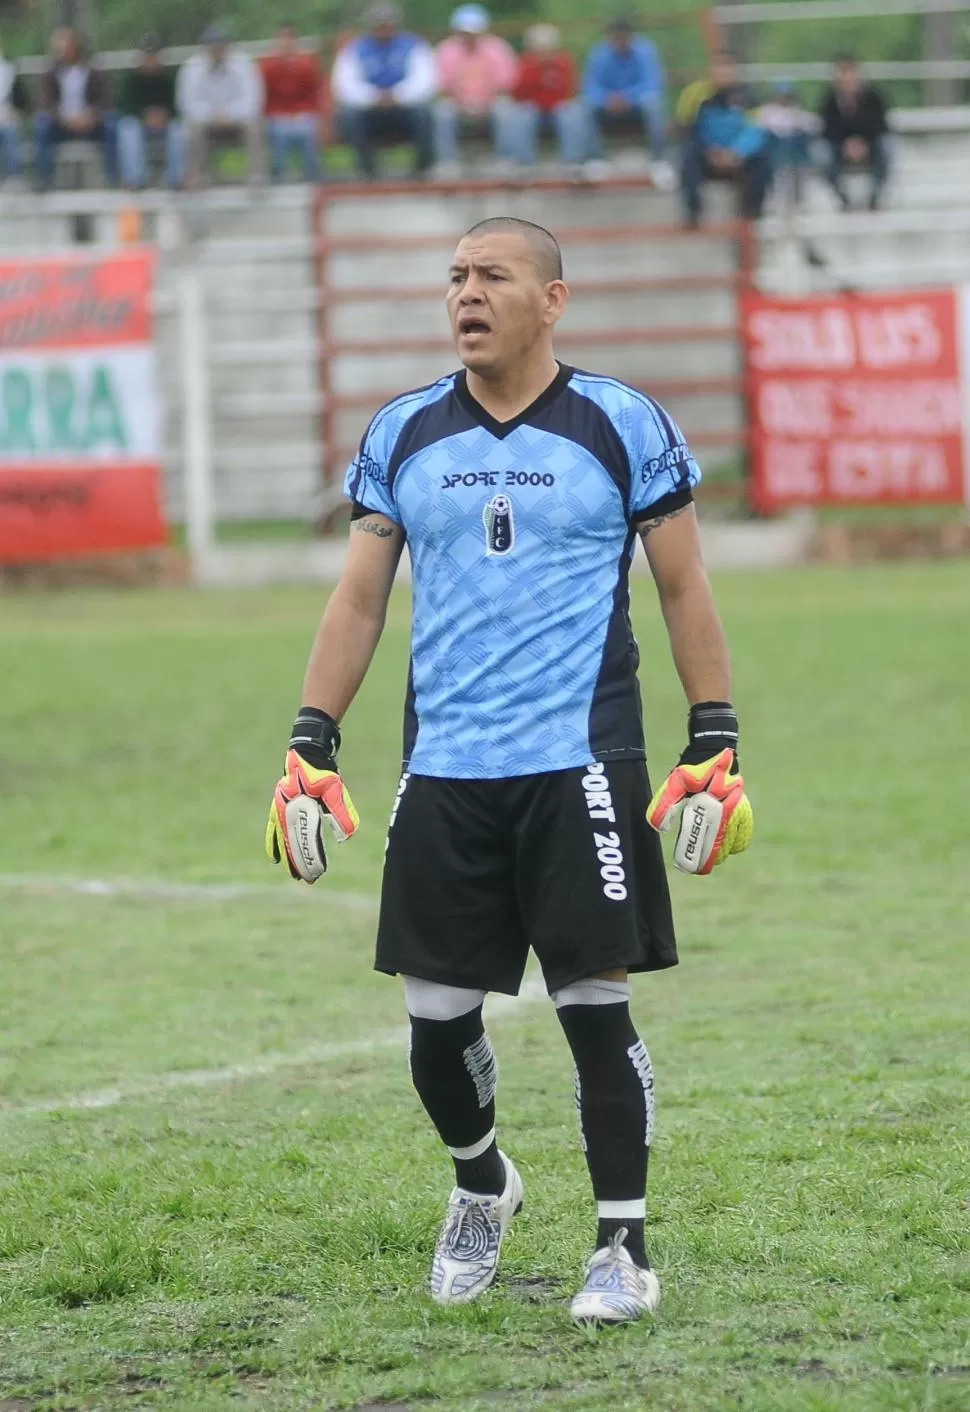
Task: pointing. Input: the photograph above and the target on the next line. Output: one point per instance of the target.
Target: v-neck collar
(500, 430)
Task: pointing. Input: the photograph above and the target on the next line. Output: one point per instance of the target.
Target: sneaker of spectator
(74, 107)
(149, 125)
(383, 82)
(725, 144)
(13, 106)
(477, 72)
(855, 129)
(293, 86)
(790, 129)
(624, 85)
(219, 95)
(546, 94)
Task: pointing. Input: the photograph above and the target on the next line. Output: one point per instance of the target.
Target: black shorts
(477, 871)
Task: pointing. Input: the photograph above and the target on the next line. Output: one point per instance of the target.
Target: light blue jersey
(521, 534)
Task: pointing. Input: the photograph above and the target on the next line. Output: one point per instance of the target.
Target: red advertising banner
(76, 303)
(80, 436)
(856, 399)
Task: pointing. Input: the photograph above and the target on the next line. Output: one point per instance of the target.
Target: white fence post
(196, 418)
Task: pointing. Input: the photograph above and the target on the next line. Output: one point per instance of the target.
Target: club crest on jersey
(499, 523)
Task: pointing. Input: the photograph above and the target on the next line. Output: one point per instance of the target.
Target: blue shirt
(521, 534)
(637, 73)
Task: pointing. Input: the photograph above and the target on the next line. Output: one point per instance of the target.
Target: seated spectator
(293, 87)
(383, 83)
(476, 74)
(13, 105)
(789, 128)
(73, 108)
(219, 94)
(546, 94)
(855, 128)
(625, 88)
(148, 104)
(725, 144)
(689, 102)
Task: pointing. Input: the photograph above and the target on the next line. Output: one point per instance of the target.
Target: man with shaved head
(522, 817)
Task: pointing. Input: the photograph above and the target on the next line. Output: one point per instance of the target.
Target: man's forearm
(342, 652)
(697, 640)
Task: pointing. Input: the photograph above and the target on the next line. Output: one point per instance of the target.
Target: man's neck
(508, 395)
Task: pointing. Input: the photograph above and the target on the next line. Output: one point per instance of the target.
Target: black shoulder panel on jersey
(577, 418)
(436, 421)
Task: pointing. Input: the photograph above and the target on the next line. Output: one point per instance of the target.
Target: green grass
(260, 1239)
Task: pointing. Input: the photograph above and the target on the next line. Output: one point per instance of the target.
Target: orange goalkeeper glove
(707, 790)
(310, 794)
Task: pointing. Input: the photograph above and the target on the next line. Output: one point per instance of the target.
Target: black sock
(608, 1226)
(454, 1071)
(614, 1094)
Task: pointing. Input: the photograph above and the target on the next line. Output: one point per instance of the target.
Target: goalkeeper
(523, 816)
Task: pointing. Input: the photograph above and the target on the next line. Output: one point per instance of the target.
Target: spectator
(219, 93)
(625, 87)
(73, 108)
(546, 94)
(293, 85)
(13, 105)
(149, 120)
(724, 144)
(383, 83)
(789, 128)
(689, 103)
(855, 128)
(476, 74)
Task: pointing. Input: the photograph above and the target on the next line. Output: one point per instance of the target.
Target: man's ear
(556, 299)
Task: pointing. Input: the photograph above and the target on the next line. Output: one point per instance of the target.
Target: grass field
(240, 1212)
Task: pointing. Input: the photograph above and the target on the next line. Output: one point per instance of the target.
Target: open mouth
(469, 325)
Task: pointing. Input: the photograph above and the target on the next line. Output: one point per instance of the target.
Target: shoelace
(470, 1216)
(613, 1264)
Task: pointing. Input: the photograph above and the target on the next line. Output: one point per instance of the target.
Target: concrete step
(675, 254)
(355, 374)
(441, 214)
(374, 318)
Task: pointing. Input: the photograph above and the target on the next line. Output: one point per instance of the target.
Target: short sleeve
(366, 482)
(663, 473)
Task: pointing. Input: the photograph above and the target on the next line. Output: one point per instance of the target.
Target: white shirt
(8, 73)
(74, 82)
(230, 92)
(351, 89)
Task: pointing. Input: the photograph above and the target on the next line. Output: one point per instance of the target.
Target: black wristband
(316, 736)
(712, 726)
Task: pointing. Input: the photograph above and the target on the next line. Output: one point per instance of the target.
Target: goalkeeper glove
(716, 818)
(310, 793)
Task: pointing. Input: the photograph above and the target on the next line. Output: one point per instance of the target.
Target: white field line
(164, 890)
(498, 1006)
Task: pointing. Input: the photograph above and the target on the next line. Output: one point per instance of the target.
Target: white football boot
(466, 1256)
(616, 1290)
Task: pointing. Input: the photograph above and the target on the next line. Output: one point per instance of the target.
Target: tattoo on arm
(645, 526)
(372, 527)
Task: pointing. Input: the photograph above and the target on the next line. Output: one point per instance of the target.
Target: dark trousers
(48, 132)
(752, 179)
(365, 129)
(877, 166)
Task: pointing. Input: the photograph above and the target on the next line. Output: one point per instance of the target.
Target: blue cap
(470, 19)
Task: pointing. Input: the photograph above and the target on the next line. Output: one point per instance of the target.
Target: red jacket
(292, 85)
(546, 79)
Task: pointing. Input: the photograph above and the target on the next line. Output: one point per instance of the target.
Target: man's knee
(430, 1000)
